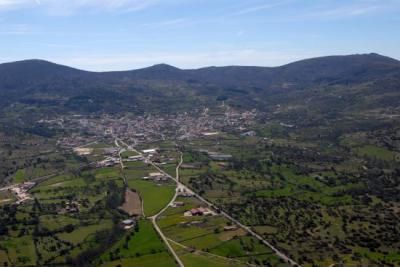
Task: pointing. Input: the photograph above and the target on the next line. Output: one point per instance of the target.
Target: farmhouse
(150, 151)
(210, 133)
(134, 158)
(178, 204)
(191, 166)
(249, 133)
(230, 228)
(198, 212)
(108, 162)
(21, 191)
(110, 151)
(184, 193)
(83, 151)
(219, 157)
(155, 174)
(128, 224)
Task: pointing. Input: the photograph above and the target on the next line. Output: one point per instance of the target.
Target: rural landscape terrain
(297, 165)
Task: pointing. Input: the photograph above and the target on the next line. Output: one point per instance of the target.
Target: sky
(104, 35)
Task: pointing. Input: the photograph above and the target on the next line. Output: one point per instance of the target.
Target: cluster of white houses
(21, 191)
(156, 176)
(108, 162)
(200, 211)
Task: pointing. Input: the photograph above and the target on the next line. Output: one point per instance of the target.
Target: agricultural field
(154, 196)
(321, 196)
(69, 221)
(159, 260)
(301, 203)
(127, 154)
(137, 246)
(203, 239)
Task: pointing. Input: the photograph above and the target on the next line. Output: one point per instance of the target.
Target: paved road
(164, 238)
(154, 218)
(201, 252)
(120, 151)
(248, 229)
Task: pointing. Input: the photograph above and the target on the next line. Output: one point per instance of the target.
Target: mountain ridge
(162, 85)
(166, 65)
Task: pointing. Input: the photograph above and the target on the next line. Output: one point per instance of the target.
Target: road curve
(229, 217)
(248, 229)
(154, 218)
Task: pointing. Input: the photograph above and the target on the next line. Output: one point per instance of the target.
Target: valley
(192, 171)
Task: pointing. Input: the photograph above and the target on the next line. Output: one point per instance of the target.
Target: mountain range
(360, 81)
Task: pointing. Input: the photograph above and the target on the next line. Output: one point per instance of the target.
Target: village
(151, 128)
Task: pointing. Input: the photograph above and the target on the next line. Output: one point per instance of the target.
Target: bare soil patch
(132, 204)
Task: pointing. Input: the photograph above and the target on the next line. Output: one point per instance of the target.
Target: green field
(21, 251)
(154, 260)
(155, 197)
(205, 235)
(19, 176)
(82, 233)
(376, 152)
(127, 154)
(137, 243)
(54, 222)
(136, 247)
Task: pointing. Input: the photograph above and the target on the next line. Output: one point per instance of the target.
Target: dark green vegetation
(71, 220)
(74, 221)
(320, 178)
(328, 84)
(141, 247)
(319, 203)
(202, 239)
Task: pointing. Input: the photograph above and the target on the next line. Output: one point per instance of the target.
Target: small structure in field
(210, 133)
(249, 133)
(198, 212)
(182, 192)
(230, 228)
(177, 204)
(83, 151)
(150, 151)
(155, 174)
(134, 158)
(191, 166)
(219, 157)
(128, 224)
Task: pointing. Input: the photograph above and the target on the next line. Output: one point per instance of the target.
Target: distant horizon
(182, 68)
(108, 35)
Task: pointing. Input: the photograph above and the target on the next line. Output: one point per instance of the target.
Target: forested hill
(164, 87)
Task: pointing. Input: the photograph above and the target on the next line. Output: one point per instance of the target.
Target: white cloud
(15, 4)
(171, 22)
(340, 12)
(258, 8)
(352, 9)
(67, 7)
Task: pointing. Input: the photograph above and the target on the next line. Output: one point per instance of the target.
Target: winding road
(154, 218)
(226, 215)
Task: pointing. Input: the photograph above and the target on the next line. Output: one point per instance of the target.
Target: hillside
(41, 82)
(305, 155)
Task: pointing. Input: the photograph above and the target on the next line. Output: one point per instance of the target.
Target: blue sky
(127, 34)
